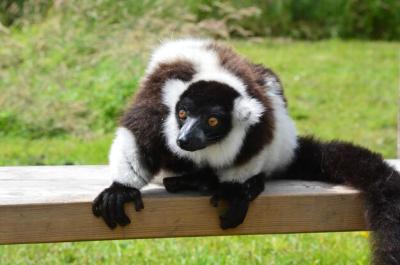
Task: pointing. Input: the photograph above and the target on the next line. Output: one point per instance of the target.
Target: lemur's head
(209, 112)
(219, 108)
(204, 114)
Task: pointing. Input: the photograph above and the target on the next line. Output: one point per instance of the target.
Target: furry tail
(340, 162)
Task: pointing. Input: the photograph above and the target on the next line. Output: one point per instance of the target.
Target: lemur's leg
(129, 173)
(203, 180)
(340, 162)
(238, 196)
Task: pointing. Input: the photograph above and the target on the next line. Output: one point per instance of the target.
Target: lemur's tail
(340, 162)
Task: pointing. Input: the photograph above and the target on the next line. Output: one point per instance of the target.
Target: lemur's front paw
(236, 212)
(238, 204)
(173, 184)
(109, 204)
(203, 184)
(238, 196)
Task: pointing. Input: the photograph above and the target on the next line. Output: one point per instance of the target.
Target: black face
(204, 114)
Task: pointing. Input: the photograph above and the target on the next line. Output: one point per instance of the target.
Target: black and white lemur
(217, 122)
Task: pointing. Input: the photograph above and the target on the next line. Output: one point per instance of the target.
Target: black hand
(235, 214)
(238, 204)
(204, 181)
(238, 196)
(174, 184)
(109, 204)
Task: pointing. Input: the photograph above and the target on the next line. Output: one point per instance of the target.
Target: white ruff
(278, 154)
(124, 163)
(247, 110)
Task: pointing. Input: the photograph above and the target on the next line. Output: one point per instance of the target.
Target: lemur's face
(204, 114)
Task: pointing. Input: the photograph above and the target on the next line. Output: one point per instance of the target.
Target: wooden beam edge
(182, 216)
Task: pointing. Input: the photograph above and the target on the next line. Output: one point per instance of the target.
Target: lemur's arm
(135, 157)
(203, 180)
(128, 175)
(340, 162)
(237, 195)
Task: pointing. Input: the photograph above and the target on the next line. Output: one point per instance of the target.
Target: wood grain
(53, 204)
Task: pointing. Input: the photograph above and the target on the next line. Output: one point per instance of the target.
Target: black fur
(340, 162)
(109, 204)
(144, 118)
(145, 122)
(238, 196)
(204, 181)
(210, 93)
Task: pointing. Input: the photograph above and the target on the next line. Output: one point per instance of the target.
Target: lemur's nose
(191, 142)
(182, 141)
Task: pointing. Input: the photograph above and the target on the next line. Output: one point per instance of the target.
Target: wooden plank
(53, 204)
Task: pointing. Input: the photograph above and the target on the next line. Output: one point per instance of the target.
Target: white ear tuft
(171, 91)
(247, 110)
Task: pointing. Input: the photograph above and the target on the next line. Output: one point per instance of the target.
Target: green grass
(54, 151)
(65, 78)
(338, 249)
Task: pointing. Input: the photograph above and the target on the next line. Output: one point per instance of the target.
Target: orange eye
(182, 114)
(213, 121)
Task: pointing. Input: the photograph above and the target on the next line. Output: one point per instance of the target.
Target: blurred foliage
(12, 10)
(372, 19)
(69, 67)
(223, 20)
(304, 19)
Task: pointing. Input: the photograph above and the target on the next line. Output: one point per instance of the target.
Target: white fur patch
(124, 163)
(247, 110)
(192, 50)
(171, 91)
(278, 154)
(273, 85)
(217, 73)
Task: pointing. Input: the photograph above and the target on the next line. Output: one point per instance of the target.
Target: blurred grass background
(68, 69)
